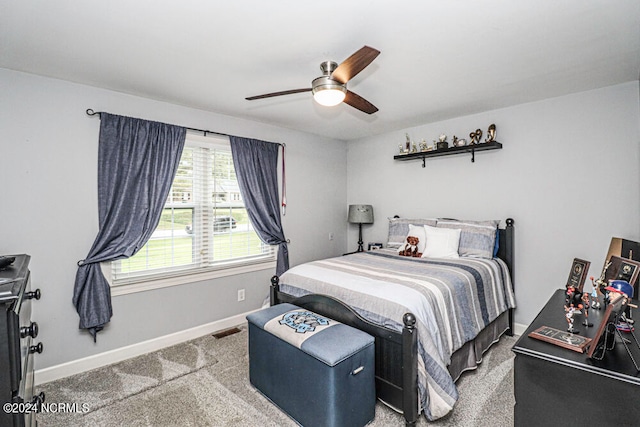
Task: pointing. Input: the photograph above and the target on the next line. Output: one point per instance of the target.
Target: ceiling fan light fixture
(328, 92)
(329, 97)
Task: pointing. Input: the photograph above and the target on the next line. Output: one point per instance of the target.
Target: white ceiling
(440, 59)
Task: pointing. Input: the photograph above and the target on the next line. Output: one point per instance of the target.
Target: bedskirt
(469, 356)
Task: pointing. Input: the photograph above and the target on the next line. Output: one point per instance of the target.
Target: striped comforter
(452, 299)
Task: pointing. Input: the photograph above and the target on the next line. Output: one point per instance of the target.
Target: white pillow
(441, 242)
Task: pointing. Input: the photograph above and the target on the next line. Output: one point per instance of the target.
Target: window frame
(179, 276)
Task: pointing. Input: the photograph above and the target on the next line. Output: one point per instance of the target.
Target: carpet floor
(205, 382)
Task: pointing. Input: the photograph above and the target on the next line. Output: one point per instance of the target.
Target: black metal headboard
(506, 244)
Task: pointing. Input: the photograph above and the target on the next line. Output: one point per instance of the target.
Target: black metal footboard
(396, 353)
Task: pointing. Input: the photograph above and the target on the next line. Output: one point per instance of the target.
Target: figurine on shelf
(459, 142)
(475, 137)
(491, 133)
(472, 138)
(442, 142)
(407, 144)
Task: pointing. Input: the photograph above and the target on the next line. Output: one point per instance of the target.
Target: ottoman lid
(327, 340)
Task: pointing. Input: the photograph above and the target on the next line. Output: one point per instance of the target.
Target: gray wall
(48, 149)
(568, 174)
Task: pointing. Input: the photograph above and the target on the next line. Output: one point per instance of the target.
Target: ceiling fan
(331, 88)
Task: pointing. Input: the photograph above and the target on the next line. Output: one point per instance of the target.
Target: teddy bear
(410, 247)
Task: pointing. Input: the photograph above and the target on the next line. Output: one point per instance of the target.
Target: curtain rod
(90, 112)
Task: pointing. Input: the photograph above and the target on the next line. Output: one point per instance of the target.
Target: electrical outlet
(240, 294)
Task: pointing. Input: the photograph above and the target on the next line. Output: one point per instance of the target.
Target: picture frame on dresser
(622, 269)
(561, 338)
(578, 273)
(626, 249)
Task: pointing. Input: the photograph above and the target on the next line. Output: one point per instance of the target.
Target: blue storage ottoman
(317, 370)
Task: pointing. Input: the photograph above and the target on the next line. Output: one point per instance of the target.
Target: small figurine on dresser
(585, 309)
(569, 313)
(573, 297)
(595, 302)
(602, 284)
(572, 305)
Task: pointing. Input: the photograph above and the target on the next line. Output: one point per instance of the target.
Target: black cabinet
(561, 387)
(18, 345)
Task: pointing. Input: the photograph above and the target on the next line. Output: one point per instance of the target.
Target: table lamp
(360, 214)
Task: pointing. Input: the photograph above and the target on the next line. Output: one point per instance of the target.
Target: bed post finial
(273, 290)
(409, 320)
(510, 222)
(410, 369)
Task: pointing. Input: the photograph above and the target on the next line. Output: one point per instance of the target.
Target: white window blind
(204, 224)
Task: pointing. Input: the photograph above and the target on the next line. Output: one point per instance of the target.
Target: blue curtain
(137, 160)
(256, 164)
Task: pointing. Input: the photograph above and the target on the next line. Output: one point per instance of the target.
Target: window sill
(186, 278)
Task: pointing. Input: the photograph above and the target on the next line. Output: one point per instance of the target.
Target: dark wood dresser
(561, 387)
(18, 346)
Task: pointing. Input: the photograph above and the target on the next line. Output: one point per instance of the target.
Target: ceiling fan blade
(285, 92)
(354, 64)
(356, 101)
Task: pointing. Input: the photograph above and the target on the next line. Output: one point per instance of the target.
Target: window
(204, 226)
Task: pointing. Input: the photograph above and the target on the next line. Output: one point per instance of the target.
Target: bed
(432, 318)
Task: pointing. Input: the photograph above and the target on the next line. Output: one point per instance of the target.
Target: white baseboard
(519, 328)
(119, 354)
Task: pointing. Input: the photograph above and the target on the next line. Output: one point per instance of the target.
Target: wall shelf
(494, 145)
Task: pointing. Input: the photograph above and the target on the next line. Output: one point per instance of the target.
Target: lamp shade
(360, 214)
